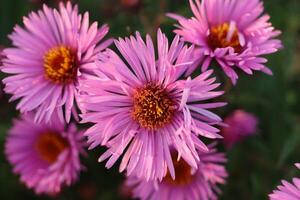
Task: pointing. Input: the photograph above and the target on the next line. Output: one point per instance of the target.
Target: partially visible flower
(235, 33)
(287, 191)
(47, 157)
(240, 125)
(189, 184)
(54, 50)
(140, 106)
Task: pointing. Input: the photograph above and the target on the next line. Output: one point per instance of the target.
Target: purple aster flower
(47, 157)
(140, 106)
(240, 125)
(50, 54)
(287, 191)
(235, 33)
(189, 183)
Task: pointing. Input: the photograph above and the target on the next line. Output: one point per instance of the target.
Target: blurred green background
(256, 166)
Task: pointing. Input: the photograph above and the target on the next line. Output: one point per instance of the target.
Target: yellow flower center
(60, 65)
(153, 108)
(50, 145)
(219, 38)
(183, 173)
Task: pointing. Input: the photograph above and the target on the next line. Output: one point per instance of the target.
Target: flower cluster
(148, 105)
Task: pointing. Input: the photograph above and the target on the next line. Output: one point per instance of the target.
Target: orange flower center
(220, 37)
(60, 65)
(50, 145)
(152, 107)
(183, 175)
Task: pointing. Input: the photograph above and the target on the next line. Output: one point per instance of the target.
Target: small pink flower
(240, 125)
(47, 157)
(287, 191)
(189, 184)
(235, 33)
(50, 54)
(140, 106)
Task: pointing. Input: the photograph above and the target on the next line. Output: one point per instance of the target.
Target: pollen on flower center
(153, 107)
(50, 145)
(60, 65)
(183, 175)
(221, 37)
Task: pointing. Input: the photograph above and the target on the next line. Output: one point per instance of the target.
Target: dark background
(255, 166)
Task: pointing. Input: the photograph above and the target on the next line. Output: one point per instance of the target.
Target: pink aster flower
(140, 106)
(235, 33)
(287, 191)
(189, 184)
(240, 125)
(50, 53)
(47, 157)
